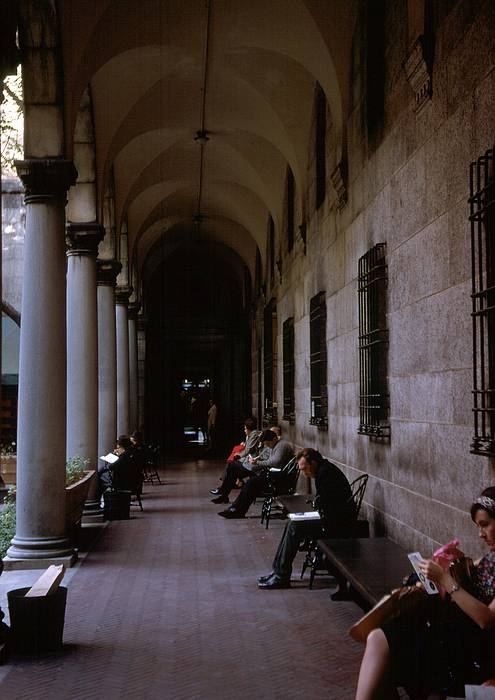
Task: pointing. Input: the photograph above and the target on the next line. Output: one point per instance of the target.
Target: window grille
(482, 218)
(288, 360)
(290, 209)
(318, 360)
(373, 344)
(320, 146)
(270, 362)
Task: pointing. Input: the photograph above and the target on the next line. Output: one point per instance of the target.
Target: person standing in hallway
(212, 425)
(335, 505)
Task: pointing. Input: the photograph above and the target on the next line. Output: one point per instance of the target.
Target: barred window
(318, 360)
(288, 360)
(270, 362)
(482, 218)
(373, 344)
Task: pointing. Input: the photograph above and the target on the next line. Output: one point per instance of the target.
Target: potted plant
(77, 482)
(78, 479)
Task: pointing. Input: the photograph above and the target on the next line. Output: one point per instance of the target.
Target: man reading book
(118, 474)
(337, 512)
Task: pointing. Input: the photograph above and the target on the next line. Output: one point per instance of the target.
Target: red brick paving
(166, 607)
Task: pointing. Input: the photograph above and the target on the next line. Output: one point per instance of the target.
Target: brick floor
(166, 606)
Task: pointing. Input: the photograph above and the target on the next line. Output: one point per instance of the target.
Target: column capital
(46, 178)
(122, 295)
(142, 322)
(107, 271)
(84, 238)
(133, 310)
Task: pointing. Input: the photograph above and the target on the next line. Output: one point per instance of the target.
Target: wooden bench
(370, 567)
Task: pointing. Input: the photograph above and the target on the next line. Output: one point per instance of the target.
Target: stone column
(107, 271)
(122, 295)
(141, 342)
(40, 529)
(82, 349)
(133, 366)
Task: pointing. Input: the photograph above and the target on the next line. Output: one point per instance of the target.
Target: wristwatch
(454, 589)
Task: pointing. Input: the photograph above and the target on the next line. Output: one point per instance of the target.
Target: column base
(15, 564)
(42, 548)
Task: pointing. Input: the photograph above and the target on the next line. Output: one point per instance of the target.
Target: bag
(462, 571)
(400, 601)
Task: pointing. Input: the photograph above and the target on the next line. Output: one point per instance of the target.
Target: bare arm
(483, 615)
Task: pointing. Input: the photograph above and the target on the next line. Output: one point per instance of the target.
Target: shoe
(264, 579)
(220, 499)
(215, 492)
(231, 514)
(274, 582)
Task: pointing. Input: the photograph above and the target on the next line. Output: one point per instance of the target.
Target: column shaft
(82, 348)
(107, 361)
(40, 524)
(123, 383)
(133, 373)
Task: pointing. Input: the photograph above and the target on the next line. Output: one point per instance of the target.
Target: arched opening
(197, 343)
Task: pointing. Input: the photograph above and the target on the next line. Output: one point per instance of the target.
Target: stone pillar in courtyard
(133, 366)
(41, 444)
(141, 352)
(107, 271)
(122, 295)
(82, 349)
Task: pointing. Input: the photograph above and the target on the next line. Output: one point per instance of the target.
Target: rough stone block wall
(408, 188)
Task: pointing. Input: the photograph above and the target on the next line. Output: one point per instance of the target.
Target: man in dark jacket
(335, 505)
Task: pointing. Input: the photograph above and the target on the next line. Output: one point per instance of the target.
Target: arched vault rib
(222, 199)
(236, 106)
(222, 161)
(218, 229)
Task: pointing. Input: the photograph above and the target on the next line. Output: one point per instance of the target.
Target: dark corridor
(197, 305)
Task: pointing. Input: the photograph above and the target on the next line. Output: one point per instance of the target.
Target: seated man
(119, 474)
(281, 453)
(239, 467)
(336, 507)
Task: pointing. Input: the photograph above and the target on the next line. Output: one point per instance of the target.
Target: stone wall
(13, 223)
(408, 186)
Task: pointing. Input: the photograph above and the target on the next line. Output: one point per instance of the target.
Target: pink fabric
(448, 553)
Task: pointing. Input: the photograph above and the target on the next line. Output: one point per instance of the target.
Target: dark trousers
(295, 532)
(234, 471)
(252, 488)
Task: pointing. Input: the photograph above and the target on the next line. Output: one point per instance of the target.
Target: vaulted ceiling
(242, 70)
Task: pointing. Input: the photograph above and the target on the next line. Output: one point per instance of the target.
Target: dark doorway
(198, 328)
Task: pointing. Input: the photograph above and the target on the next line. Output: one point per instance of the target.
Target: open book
(110, 458)
(308, 515)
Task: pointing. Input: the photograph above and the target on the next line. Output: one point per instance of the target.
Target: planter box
(75, 497)
(8, 469)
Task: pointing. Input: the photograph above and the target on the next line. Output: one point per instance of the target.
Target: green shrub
(74, 469)
(7, 522)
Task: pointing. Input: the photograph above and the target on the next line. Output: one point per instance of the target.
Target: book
(110, 458)
(308, 515)
(429, 586)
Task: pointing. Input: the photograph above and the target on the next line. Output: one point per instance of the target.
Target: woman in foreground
(436, 654)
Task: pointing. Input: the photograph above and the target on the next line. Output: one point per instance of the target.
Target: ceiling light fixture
(201, 137)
